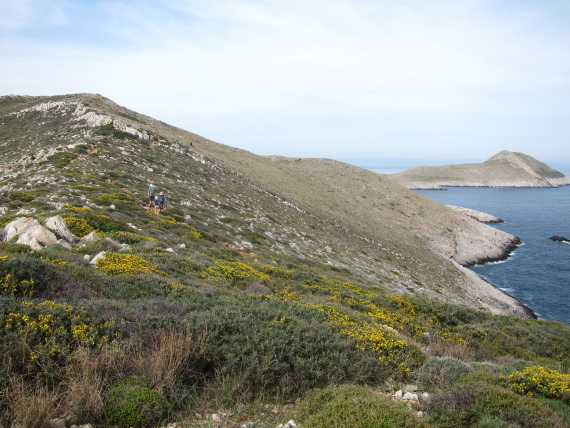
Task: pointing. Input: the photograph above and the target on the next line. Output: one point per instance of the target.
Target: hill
(264, 278)
(505, 169)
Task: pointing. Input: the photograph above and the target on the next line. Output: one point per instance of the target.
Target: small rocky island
(559, 239)
(505, 169)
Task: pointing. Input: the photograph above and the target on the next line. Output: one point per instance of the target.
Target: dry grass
(90, 377)
(31, 406)
(166, 357)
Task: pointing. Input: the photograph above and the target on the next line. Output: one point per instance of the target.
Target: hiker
(150, 194)
(161, 202)
(155, 204)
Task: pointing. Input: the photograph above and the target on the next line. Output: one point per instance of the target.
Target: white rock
(183, 245)
(100, 255)
(398, 394)
(170, 250)
(30, 241)
(111, 207)
(19, 226)
(64, 243)
(58, 225)
(92, 237)
(410, 396)
(86, 257)
(57, 423)
(217, 418)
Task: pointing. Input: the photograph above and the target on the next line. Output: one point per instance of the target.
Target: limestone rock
(18, 226)
(92, 237)
(30, 241)
(100, 255)
(58, 226)
(63, 243)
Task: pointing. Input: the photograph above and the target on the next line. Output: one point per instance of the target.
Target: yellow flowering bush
(121, 197)
(10, 287)
(381, 339)
(233, 272)
(53, 331)
(277, 271)
(78, 226)
(76, 208)
(85, 187)
(541, 380)
(130, 237)
(174, 288)
(128, 264)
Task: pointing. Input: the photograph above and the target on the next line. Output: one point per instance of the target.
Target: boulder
(42, 235)
(92, 237)
(19, 226)
(30, 241)
(57, 225)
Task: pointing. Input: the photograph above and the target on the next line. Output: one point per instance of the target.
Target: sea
(538, 272)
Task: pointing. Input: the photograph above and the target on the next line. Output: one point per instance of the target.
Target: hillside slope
(505, 169)
(307, 211)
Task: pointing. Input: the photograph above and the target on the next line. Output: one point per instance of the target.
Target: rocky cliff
(316, 213)
(505, 169)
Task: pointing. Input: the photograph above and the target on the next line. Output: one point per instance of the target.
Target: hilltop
(505, 169)
(265, 281)
(313, 210)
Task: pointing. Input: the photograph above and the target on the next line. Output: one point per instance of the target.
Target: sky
(437, 79)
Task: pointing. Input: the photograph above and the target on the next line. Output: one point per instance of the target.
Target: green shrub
(480, 404)
(21, 196)
(47, 280)
(132, 403)
(280, 348)
(351, 406)
(440, 372)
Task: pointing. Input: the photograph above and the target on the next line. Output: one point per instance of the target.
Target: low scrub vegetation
(191, 312)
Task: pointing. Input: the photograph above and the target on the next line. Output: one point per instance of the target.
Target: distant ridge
(505, 169)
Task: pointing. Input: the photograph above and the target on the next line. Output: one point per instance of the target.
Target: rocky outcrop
(30, 232)
(477, 215)
(559, 239)
(505, 169)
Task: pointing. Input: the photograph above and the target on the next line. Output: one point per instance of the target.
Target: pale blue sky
(437, 79)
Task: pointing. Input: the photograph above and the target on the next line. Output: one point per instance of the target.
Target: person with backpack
(161, 202)
(150, 194)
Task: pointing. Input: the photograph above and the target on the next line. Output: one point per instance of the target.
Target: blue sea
(538, 272)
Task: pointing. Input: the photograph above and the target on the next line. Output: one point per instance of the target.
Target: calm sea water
(538, 272)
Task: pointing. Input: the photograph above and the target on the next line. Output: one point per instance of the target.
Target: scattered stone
(111, 207)
(63, 243)
(86, 257)
(25, 212)
(410, 396)
(217, 418)
(92, 237)
(290, 424)
(57, 423)
(410, 388)
(183, 245)
(170, 250)
(398, 394)
(100, 255)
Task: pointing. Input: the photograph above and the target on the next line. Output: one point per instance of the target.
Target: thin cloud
(316, 74)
